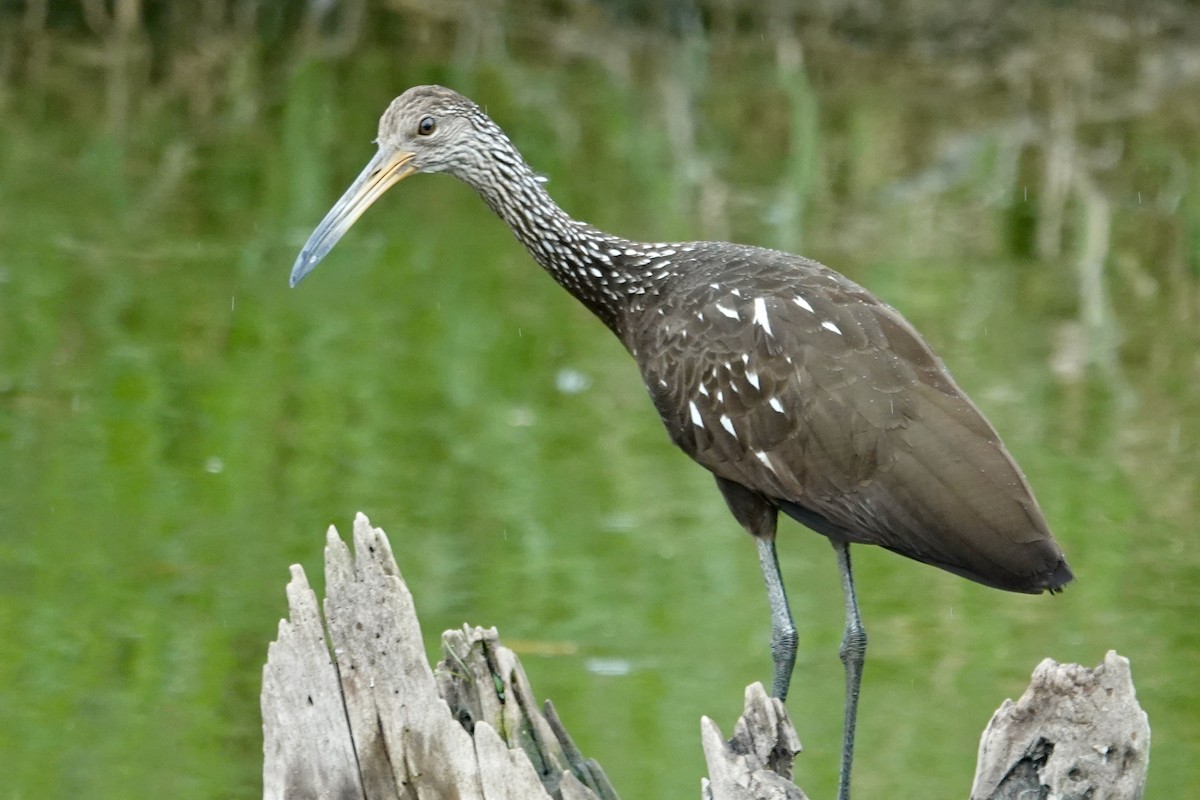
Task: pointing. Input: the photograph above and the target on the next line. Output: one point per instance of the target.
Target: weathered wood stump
(352, 709)
(1076, 734)
(360, 715)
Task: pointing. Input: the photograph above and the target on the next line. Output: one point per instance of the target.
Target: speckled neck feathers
(604, 272)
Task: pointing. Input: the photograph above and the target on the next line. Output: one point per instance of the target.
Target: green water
(177, 426)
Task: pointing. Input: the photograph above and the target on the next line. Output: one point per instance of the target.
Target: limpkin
(798, 389)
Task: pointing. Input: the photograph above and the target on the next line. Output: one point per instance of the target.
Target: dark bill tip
(383, 171)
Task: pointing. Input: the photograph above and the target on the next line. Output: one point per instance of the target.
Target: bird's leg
(783, 629)
(853, 653)
(759, 517)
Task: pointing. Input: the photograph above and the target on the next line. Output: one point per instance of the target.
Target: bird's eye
(426, 126)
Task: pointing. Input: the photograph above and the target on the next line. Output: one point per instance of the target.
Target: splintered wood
(352, 709)
(1076, 733)
(361, 714)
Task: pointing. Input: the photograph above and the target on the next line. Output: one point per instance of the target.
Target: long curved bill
(387, 168)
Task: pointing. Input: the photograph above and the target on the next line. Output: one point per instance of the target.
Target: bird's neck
(588, 263)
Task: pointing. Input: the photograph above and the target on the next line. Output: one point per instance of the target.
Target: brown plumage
(782, 376)
(798, 389)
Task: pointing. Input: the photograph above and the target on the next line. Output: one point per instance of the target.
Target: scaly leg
(758, 517)
(853, 653)
(783, 629)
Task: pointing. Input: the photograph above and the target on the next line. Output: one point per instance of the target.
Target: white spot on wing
(697, 420)
(752, 377)
(800, 301)
(760, 315)
(765, 459)
(775, 404)
(732, 313)
(829, 326)
(727, 424)
(703, 390)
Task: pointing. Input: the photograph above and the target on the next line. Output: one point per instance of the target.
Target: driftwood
(352, 709)
(1080, 732)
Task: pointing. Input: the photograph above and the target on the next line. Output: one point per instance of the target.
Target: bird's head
(426, 129)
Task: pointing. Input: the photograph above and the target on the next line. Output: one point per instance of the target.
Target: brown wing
(804, 387)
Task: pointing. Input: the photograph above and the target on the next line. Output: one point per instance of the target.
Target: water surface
(177, 426)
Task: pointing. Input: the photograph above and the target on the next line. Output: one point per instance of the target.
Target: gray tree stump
(757, 761)
(1076, 734)
(352, 709)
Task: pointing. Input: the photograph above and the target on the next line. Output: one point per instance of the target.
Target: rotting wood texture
(1076, 734)
(352, 709)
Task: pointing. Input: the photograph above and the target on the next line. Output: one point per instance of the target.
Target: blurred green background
(177, 426)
